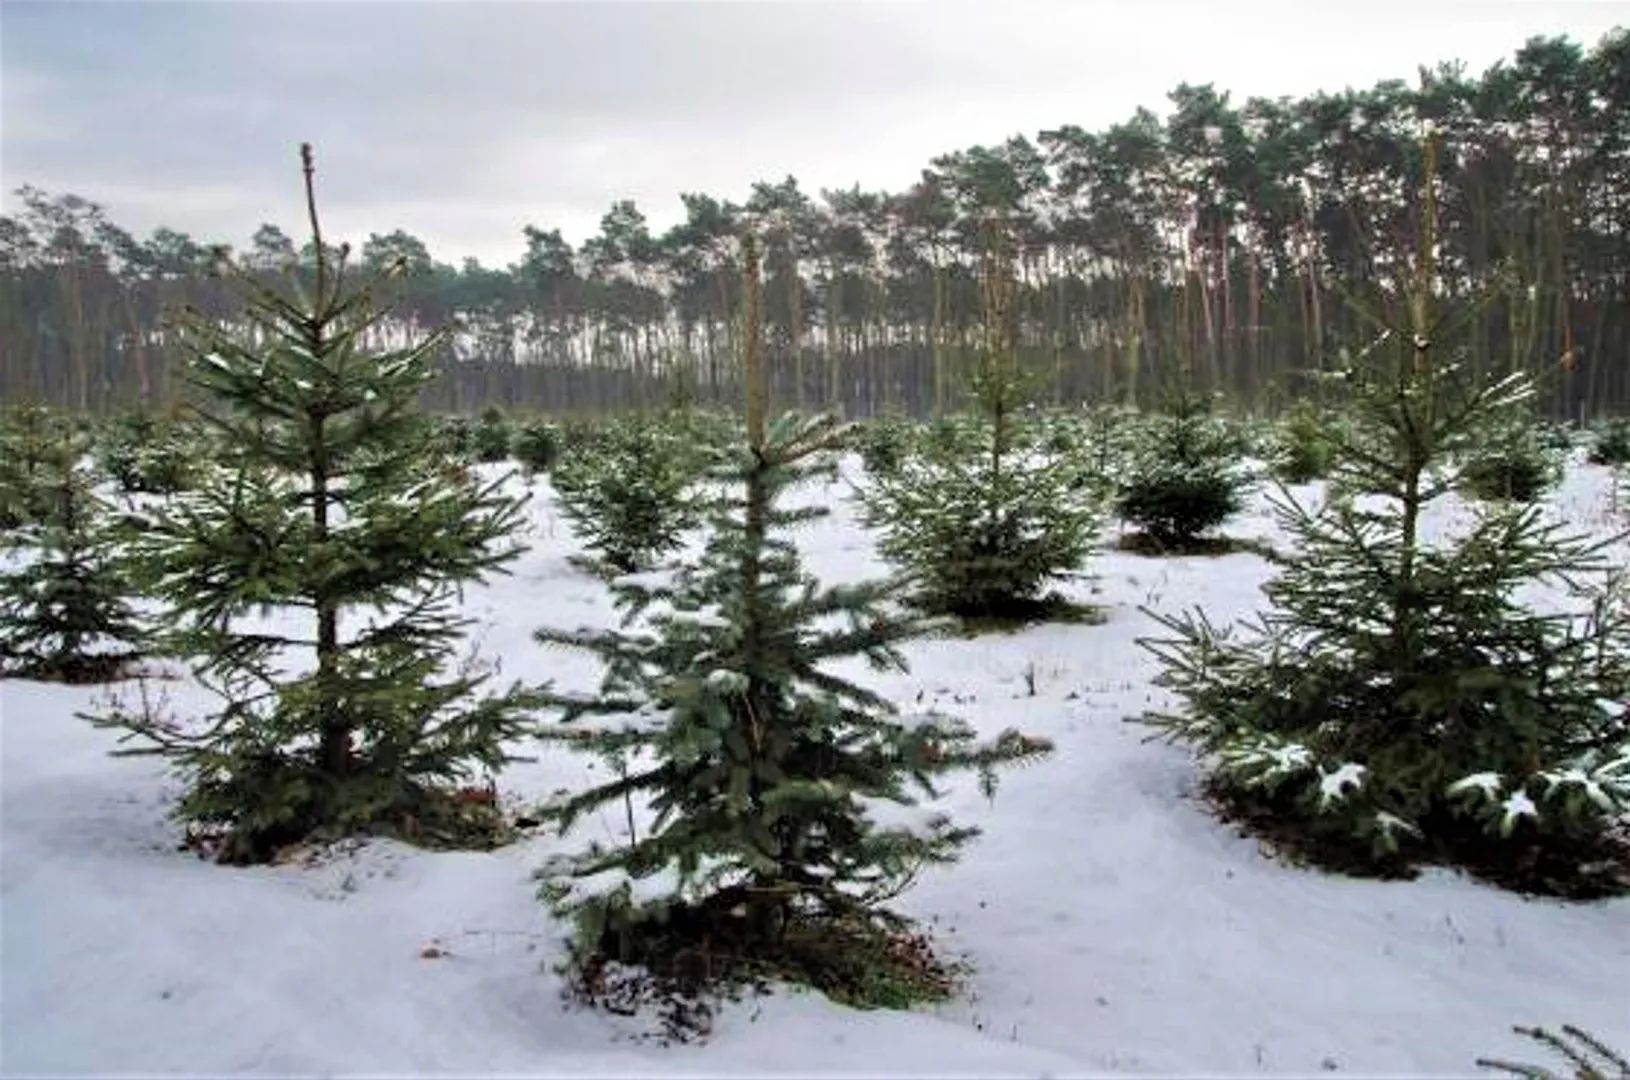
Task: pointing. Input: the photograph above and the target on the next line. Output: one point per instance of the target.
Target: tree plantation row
(1223, 236)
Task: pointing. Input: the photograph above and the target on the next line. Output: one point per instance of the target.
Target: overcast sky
(461, 122)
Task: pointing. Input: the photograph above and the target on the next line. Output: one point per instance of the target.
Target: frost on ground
(1113, 924)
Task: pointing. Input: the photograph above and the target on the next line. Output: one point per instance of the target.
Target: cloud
(463, 122)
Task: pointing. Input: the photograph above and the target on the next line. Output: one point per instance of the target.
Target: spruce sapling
(490, 439)
(1304, 449)
(63, 608)
(1398, 703)
(1187, 475)
(312, 582)
(985, 516)
(884, 444)
(1511, 462)
(144, 454)
(630, 491)
(536, 445)
(768, 835)
(31, 443)
(1610, 443)
(1587, 1057)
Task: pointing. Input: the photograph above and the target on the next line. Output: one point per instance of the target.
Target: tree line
(1215, 245)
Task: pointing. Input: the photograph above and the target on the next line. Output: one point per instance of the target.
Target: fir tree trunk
(834, 296)
(764, 900)
(939, 340)
(335, 733)
(795, 328)
(752, 357)
(1405, 613)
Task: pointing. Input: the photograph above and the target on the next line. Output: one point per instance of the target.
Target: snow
(725, 681)
(1577, 778)
(1334, 785)
(1517, 805)
(1113, 925)
(1489, 783)
(1389, 825)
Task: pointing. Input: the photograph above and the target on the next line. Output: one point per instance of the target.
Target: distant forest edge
(1216, 242)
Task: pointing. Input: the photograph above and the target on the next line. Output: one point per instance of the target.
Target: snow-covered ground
(1113, 925)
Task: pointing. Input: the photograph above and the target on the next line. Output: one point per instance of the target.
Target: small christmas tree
(986, 515)
(1187, 475)
(1399, 703)
(456, 436)
(536, 446)
(1555, 437)
(1103, 442)
(31, 445)
(768, 850)
(143, 454)
(63, 612)
(1304, 449)
(629, 491)
(333, 510)
(1610, 443)
(1511, 462)
(490, 439)
(884, 444)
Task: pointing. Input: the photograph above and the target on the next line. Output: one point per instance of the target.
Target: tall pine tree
(337, 524)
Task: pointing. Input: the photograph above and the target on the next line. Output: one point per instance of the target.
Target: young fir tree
(143, 454)
(986, 516)
(1303, 451)
(335, 523)
(767, 778)
(1104, 441)
(63, 608)
(1610, 443)
(456, 436)
(536, 446)
(629, 491)
(1399, 702)
(490, 439)
(1187, 474)
(1556, 438)
(31, 442)
(884, 444)
(1511, 462)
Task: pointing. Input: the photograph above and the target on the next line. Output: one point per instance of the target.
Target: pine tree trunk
(752, 358)
(832, 387)
(1058, 339)
(756, 702)
(795, 328)
(1253, 321)
(939, 340)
